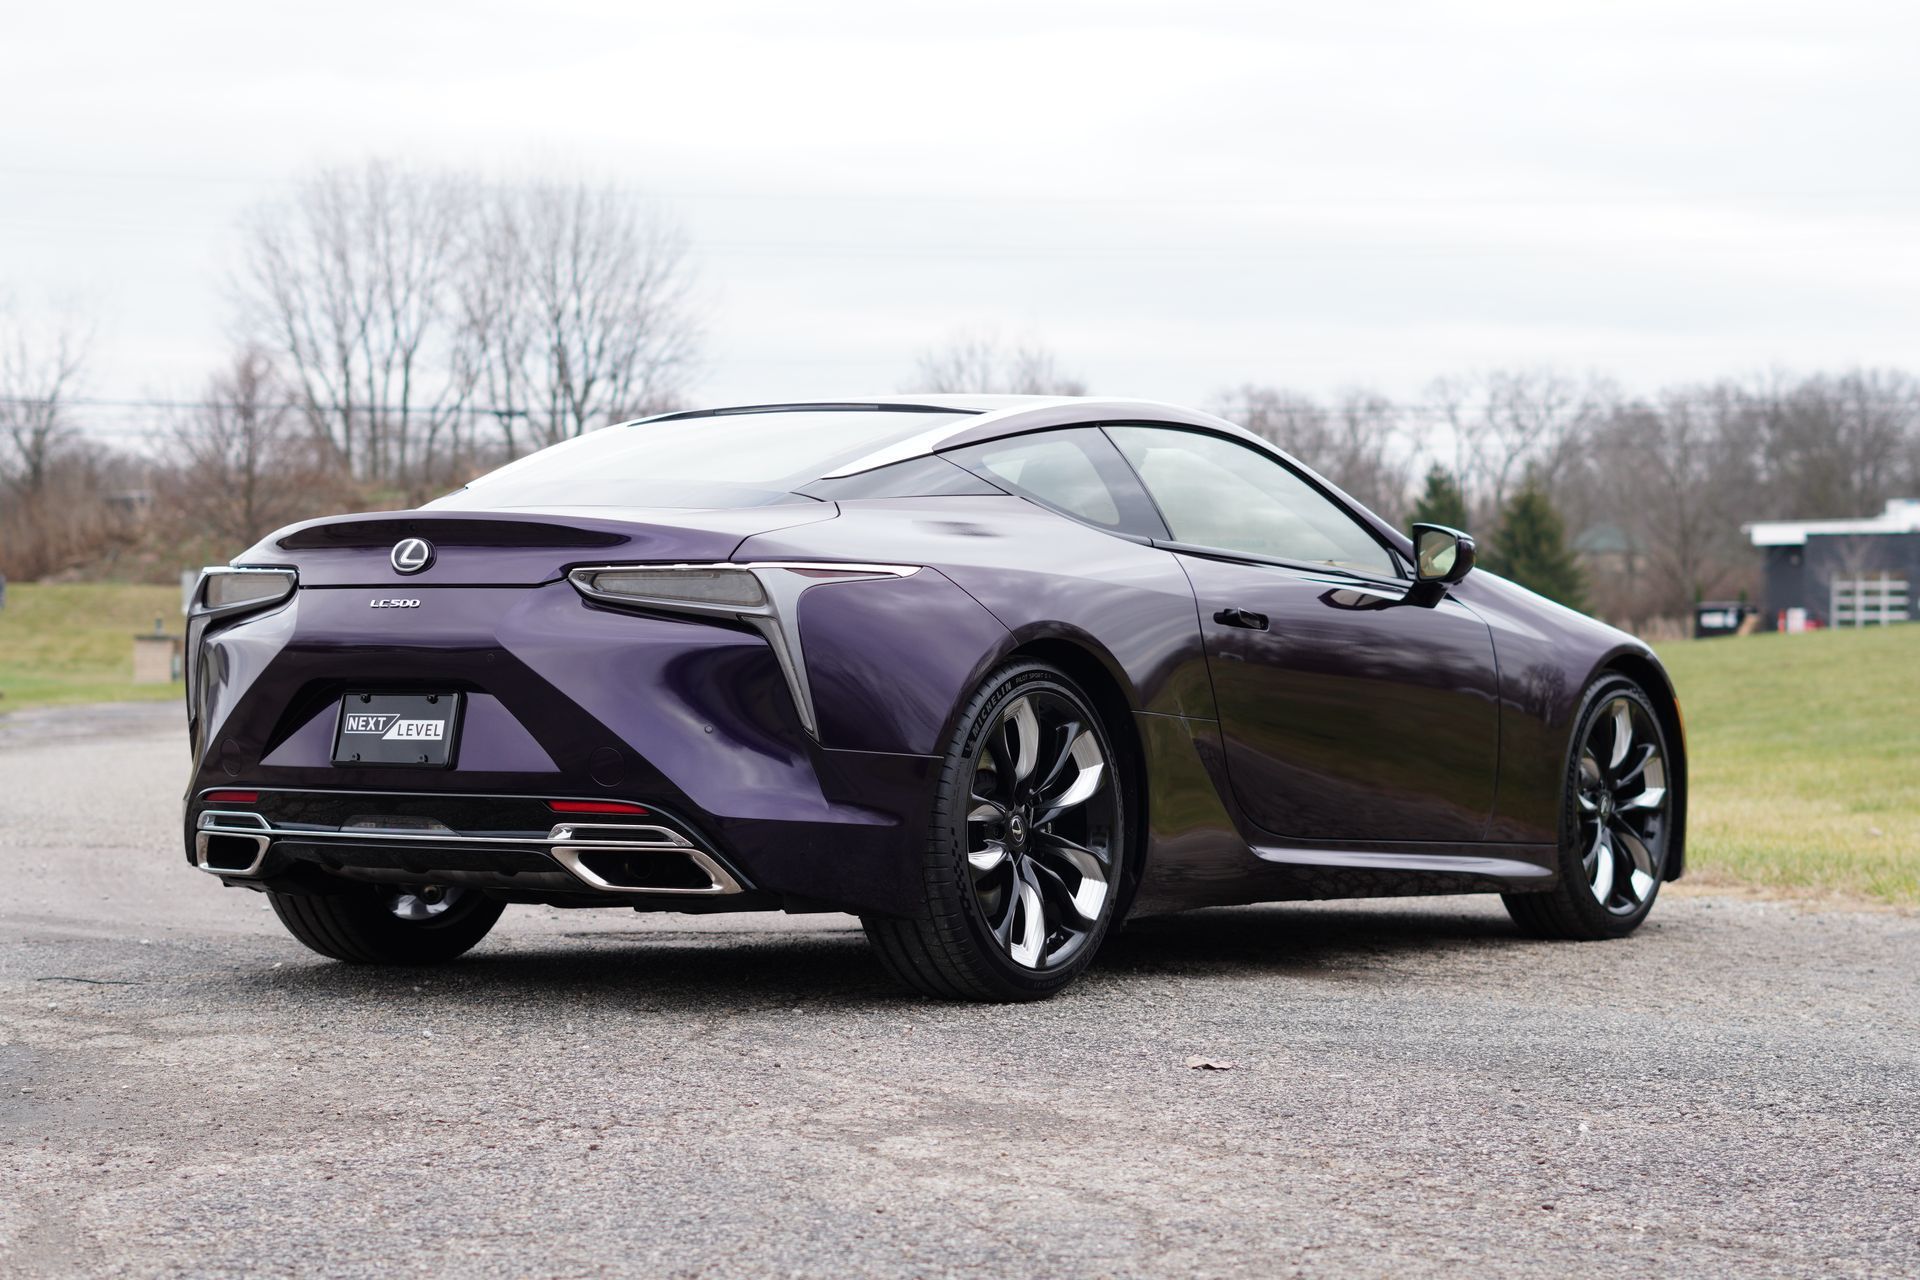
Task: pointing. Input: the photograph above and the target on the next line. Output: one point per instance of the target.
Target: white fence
(1868, 602)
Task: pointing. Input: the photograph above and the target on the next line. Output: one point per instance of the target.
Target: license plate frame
(397, 730)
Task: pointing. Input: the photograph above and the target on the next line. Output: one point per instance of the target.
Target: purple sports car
(992, 673)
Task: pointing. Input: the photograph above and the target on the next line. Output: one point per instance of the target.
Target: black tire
(363, 927)
(949, 948)
(1571, 911)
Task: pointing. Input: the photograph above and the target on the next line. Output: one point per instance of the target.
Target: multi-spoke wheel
(1027, 847)
(427, 924)
(1040, 823)
(1615, 827)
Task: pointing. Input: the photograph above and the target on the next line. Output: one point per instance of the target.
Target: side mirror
(1441, 555)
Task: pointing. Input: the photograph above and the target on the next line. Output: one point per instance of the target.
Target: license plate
(416, 729)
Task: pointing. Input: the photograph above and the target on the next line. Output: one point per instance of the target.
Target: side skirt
(1346, 873)
(1199, 854)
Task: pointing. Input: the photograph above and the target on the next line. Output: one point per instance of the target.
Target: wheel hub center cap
(1017, 828)
(1606, 804)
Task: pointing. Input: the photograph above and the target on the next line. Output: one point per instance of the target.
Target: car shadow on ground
(1298, 939)
(828, 969)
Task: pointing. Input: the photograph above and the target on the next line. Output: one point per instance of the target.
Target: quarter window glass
(1075, 470)
(1216, 493)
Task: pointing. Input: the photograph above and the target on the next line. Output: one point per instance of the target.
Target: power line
(264, 406)
(419, 414)
(1304, 402)
(472, 413)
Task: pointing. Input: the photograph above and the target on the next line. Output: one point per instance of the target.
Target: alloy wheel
(1041, 820)
(1623, 804)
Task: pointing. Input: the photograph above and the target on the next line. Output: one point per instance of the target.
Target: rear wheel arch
(959, 942)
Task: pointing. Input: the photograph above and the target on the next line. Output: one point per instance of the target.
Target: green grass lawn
(74, 642)
(1806, 760)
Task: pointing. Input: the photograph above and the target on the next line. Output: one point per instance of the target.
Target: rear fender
(889, 659)
(1041, 576)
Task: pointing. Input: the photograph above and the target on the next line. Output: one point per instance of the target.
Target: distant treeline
(401, 332)
(1652, 491)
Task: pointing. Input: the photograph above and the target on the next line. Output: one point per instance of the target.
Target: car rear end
(481, 700)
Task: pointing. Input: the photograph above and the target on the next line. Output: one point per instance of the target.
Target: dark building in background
(1841, 573)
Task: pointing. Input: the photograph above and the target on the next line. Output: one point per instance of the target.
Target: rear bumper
(646, 855)
(313, 840)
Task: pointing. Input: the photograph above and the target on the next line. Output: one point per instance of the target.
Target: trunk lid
(514, 548)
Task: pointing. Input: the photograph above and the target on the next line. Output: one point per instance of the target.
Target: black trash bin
(1718, 617)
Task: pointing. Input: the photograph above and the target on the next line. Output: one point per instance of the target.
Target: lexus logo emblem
(412, 555)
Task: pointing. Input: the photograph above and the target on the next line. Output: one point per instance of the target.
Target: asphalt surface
(1414, 1089)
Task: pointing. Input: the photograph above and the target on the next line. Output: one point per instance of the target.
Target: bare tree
(575, 308)
(245, 461)
(984, 364)
(1503, 424)
(1357, 443)
(350, 284)
(496, 331)
(1838, 445)
(65, 501)
(410, 309)
(1667, 483)
(38, 372)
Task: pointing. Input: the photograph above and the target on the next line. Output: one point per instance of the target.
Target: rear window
(716, 460)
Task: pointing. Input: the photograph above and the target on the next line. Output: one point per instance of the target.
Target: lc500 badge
(393, 602)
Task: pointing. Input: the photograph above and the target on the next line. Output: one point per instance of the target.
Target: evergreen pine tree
(1441, 502)
(1531, 549)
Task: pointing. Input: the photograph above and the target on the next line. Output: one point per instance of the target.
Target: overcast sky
(1177, 196)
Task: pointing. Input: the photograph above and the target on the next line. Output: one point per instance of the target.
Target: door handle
(1246, 618)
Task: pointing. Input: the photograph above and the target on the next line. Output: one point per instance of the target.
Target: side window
(1215, 492)
(1075, 470)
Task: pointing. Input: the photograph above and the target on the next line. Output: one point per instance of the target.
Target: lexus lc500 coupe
(991, 673)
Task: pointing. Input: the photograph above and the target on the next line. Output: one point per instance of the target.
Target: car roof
(989, 417)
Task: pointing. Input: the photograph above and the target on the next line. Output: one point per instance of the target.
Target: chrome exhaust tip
(639, 859)
(231, 844)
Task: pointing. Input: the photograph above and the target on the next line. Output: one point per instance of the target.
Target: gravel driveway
(1414, 1089)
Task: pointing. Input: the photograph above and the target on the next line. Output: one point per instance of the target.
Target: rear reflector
(233, 797)
(594, 806)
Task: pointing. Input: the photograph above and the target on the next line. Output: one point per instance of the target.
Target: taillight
(702, 586)
(222, 590)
